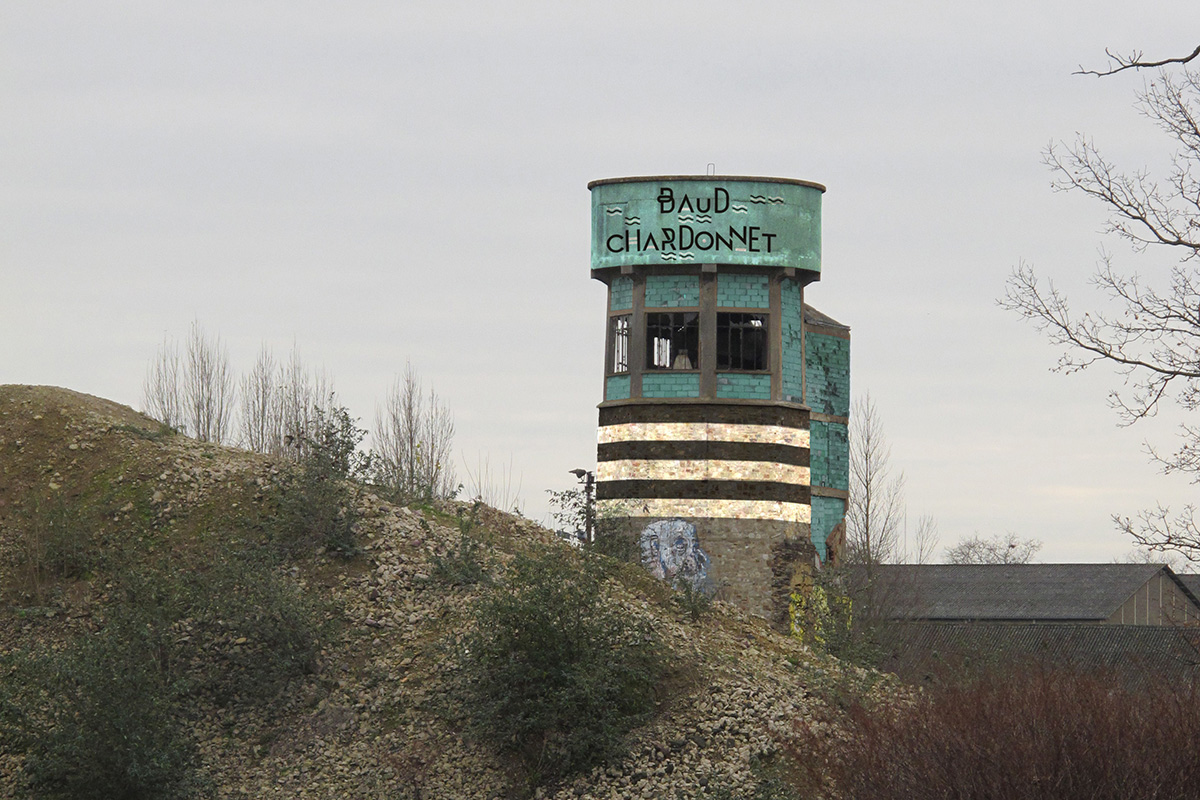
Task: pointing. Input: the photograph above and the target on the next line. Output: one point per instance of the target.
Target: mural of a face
(671, 551)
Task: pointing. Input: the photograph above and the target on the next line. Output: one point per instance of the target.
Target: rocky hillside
(103, 511)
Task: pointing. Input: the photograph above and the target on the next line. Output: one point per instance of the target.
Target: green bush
(235, 629)
(98, 721)
(55, 543)
(557, 675)
(692, 601)
(834, 614)
(316, 507)
(263, 631)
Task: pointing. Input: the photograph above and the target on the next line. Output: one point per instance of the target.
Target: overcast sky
(382, 182)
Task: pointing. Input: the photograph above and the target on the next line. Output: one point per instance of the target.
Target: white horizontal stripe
(710, 509)
(702, 432)
(698, 470)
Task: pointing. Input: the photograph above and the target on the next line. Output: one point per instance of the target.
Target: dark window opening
(742, 341)
(673, 341)
(619, 343)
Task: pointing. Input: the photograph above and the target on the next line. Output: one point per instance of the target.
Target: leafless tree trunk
(875, 513)
(161, 397)
(413, 437)
(262, 412)
(208, 392)
(304, 399)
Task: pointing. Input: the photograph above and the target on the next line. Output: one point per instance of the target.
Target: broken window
(673, 340)
(742, 342)
(618, 343)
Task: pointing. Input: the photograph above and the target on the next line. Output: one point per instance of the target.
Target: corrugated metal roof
(1059, 592)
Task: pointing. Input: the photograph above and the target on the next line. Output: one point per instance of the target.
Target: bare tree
(262, 408)
(413, 437)
(304, 399)
(193, 392)
(875, 512)
(161, 396)
(1007, 549)
(1142, 555)
(1152, 337)
(208, 392)
(919, 549)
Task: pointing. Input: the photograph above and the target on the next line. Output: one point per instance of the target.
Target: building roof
(1012, 592)
(814, 317)
(1190, 580)
(924, 650)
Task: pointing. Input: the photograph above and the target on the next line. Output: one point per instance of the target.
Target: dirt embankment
(376, 714)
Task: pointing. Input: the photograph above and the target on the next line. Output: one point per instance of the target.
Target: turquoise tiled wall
(826, 513)
(672, 291)
(616, 388)
(792, 313)
(743, 291)
(829, 455)
(744, 387)
(670, 384)
(622, 294)
(828, 374)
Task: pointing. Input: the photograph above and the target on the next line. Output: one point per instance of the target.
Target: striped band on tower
(705, 460)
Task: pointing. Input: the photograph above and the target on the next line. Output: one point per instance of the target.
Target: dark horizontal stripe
(733, 532)
(705, 451)
(702, 490)
(727, 413)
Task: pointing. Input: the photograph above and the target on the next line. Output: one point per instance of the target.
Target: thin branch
(1134, 61)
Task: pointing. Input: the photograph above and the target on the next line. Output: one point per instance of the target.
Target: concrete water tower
(722, 436)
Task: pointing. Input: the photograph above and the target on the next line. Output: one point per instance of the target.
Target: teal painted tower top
(692, 219)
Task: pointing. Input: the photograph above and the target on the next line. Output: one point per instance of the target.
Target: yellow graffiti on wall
(817, 616)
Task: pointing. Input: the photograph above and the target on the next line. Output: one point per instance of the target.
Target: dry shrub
(1030, 732)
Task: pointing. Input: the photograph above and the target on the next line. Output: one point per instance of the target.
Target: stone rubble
(378, 718)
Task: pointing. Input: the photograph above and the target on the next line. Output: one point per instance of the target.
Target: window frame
(614, 334)
(691, 338)
(726, 334)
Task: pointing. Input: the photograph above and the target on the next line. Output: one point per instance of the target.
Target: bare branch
(875, 512)
(1120, 63)
(1007, 549)
(413, 436)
